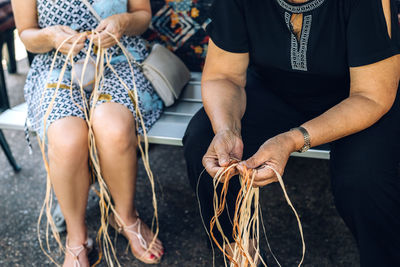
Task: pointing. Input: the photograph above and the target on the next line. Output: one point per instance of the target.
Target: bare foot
(140, 239)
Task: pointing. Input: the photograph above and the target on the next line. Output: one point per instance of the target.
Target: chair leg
(31, 56)
(7, 151)
(12, 64)
(4, 103)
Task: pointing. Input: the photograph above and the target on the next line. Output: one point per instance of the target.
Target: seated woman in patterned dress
(43, 25)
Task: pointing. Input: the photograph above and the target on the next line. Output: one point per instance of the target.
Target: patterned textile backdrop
(179, 25)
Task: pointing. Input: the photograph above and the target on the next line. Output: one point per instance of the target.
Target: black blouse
(335, 35)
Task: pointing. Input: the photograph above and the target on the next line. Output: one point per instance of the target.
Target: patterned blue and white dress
(75, 14)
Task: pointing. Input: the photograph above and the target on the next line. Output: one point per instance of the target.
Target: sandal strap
(76, 251)
(137, 233)
(79, 250)
(125, 230)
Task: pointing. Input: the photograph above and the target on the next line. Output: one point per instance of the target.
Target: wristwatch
(306, 136)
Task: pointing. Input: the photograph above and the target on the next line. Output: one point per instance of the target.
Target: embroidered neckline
(300, 8)
(298, 51)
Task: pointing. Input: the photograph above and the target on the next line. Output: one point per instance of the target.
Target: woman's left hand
(115, 25)
(275, 153)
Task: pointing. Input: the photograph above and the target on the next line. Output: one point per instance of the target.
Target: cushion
(179, 25)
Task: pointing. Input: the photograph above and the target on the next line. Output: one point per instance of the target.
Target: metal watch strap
(307, 140)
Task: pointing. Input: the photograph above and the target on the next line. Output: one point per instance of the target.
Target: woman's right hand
(60, 33)
(225, 148)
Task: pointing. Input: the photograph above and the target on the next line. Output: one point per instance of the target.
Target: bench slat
(195, 77)
(14, 118)
(313, 153)
(169, 130)
(183, 108)
(21, 107)
(191, 93)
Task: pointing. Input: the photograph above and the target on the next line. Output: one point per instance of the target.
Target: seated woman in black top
(329, 66)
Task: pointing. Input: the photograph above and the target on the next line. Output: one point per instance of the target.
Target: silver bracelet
(307, 140)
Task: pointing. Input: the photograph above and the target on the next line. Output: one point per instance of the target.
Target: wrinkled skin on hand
(275, 153)
(225, 148)
(61, 33)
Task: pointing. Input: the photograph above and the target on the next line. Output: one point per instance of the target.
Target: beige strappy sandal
(76, 251)
(123, 230)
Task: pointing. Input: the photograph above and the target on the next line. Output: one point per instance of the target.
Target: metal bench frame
(7, 37)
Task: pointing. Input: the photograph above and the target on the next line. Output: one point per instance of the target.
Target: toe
(149, 257)
(156, 251)
(157, 246)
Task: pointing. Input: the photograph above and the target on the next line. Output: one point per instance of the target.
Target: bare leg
(69, 174)
(114, 128)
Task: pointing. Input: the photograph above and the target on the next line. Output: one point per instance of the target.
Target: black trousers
(364, 170)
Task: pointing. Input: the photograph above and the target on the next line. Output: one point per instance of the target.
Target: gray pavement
(328, 241)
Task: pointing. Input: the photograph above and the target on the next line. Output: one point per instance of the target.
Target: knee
(190, 138)
(118, 136)
(68, 140)
(357, 190)
(114, 127)
(364, 170)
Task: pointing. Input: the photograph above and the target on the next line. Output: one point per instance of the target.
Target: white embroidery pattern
(300, 9)
(298, 51)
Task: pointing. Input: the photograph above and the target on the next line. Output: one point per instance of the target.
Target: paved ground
(328, 241)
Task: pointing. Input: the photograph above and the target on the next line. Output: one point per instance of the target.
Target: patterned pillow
(179, 25)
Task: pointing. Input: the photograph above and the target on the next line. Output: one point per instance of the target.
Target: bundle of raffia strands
(246, 219)
(101, 61)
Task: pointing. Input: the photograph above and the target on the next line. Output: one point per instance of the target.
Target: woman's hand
(225, 148)
(116, 25)
(275, 153)
(60, 33)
